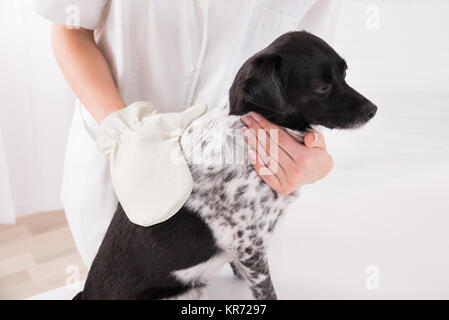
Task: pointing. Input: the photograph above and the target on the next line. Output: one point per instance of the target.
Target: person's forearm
(86, 71)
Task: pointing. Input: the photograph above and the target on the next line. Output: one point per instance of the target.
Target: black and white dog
(296, 82)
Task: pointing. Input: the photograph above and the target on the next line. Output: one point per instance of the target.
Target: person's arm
(86, 70)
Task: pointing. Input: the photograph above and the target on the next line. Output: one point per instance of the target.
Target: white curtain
(35, 111)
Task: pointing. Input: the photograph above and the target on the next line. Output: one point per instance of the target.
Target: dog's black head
(298, 81)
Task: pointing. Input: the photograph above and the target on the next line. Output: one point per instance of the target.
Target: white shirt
(174, 53)
(178, 52)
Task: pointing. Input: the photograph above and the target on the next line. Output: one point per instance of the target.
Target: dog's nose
(368, 110)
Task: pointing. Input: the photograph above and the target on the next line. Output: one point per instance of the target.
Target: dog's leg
(256, 271)
(237, 272)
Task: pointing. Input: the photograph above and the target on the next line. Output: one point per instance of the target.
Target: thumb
(314, 139)
(192, 113)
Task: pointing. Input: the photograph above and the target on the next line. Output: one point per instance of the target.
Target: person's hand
(295, 164)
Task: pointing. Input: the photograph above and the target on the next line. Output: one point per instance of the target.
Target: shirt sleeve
(83, 13)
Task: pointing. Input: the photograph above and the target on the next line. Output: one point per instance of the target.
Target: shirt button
(190, 68)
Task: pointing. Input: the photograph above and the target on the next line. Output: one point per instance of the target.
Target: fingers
(268, 151)
(286, 142)
(264, 172)
(314, 140)
(277, 180)
(271, 159)
(283, 140)
(262, 155)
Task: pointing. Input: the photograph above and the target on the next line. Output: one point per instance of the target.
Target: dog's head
(299, 81)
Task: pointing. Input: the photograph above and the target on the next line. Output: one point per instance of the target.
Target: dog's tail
(79, 296)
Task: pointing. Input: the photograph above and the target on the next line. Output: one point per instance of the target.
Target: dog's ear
(262, 85)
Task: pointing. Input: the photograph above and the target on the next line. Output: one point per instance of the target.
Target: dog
(297, 82)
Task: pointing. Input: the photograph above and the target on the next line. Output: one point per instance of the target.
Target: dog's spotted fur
(238, 206)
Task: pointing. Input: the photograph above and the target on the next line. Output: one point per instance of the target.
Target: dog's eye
(323, 89)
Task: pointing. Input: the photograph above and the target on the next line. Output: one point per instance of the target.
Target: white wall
(383, 211)
(396, 44)
(35, 110)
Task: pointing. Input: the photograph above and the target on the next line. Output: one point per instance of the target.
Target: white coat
(173, 53)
